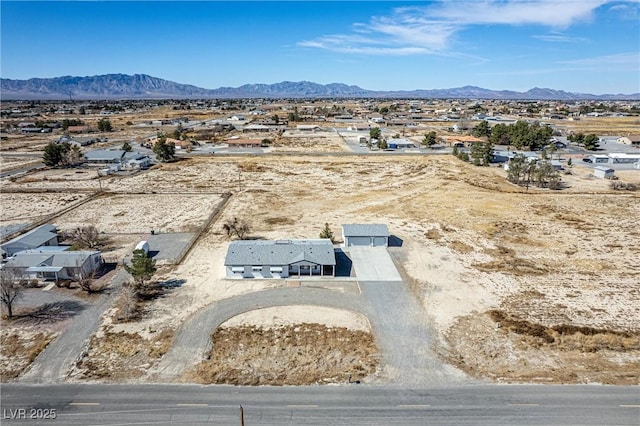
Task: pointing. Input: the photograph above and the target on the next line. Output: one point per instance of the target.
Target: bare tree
(240, 228)
(10, 290)
(87, 237)
(88, 283)
(128, 302)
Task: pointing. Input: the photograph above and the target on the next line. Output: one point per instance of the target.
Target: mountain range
(141, 86)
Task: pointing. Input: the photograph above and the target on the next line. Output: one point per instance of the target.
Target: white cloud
(628, 59)
(430, 29)
(559, 38)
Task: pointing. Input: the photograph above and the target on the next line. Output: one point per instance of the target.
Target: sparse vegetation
(303, 354)
(236, 226)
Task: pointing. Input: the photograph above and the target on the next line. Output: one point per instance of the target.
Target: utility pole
(239, 181)
(241, 416)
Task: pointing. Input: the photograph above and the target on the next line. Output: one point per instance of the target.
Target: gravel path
(192, 340)
(53, 364)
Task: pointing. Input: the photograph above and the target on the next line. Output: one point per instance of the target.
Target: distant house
(630, 140)
(375, 235)
(236, 118)
(603, 172)
(44, 235)
(308, 127)
(400, 144)
(244, 143)
(623, 158)
(54, 264)
(105, 157)
(116, 159)
(280, 259)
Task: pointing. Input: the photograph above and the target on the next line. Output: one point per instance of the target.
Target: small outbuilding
(373, 235)
(603, 172)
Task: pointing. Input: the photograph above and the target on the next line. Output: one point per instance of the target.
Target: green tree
(569, 162)
(500, 135)
(104, 125)
(429, 140)
(591, 142)
(55, 154)
(481, 153)
(126, 147)
(375, 133)
(164, 151)
(517, 169)
(481, 130)
(382, 144)
(327, 233)
(141, 270)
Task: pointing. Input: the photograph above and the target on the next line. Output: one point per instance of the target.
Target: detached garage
(372, 235)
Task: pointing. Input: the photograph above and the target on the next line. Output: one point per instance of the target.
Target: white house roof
(65, 259)
(365, 230)
(282, 252)
(604, 169)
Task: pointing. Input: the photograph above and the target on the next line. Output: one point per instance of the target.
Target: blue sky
(590, 46)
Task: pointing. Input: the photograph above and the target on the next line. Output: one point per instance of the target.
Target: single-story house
(54, 264)
(280, 259)
(43, 235)
(102, 157)
(136, 160)
(400, 144)
(376, 235)
(630, 140)
(599, 158)
(115, 159)
(623, 158)
(603, 172)
(244, 143)
(307, 127)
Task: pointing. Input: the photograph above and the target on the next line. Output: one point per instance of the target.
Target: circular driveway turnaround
(397, 320)
(193, 338)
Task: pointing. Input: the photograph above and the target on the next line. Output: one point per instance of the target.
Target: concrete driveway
(373, 264)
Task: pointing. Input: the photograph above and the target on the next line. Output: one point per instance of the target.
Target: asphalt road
(321, 405)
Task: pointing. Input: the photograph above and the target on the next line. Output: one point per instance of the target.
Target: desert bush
(623, 186)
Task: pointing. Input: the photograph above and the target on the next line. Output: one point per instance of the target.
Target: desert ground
(481, 255)
(518, 285)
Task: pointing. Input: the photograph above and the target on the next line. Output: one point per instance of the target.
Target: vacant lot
(139, 213)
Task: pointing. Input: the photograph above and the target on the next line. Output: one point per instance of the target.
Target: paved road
(192, 339)
(21, 170)
(323, 405)
(54, 363)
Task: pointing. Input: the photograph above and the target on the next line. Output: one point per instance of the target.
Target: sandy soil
(22, 207)
(472, 241)
(127, 214)
(292, 315)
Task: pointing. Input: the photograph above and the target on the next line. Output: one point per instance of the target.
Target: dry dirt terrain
(520, 285)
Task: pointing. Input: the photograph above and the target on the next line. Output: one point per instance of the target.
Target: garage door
(380, 241)
(359, 241)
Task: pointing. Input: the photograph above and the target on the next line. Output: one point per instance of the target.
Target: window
(276, 269)
(256, 268)
(237, 269)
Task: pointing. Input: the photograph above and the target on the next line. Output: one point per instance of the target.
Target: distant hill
(141, 86)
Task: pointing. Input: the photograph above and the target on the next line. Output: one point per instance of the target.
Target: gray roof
(282, 252)
(32, 239)
(105, 155)
(65, 259)
(365, 230)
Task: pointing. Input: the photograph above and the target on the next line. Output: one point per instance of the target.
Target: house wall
(366, 241)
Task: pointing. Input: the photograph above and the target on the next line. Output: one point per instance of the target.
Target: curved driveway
(192, 340)
(397, 320)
